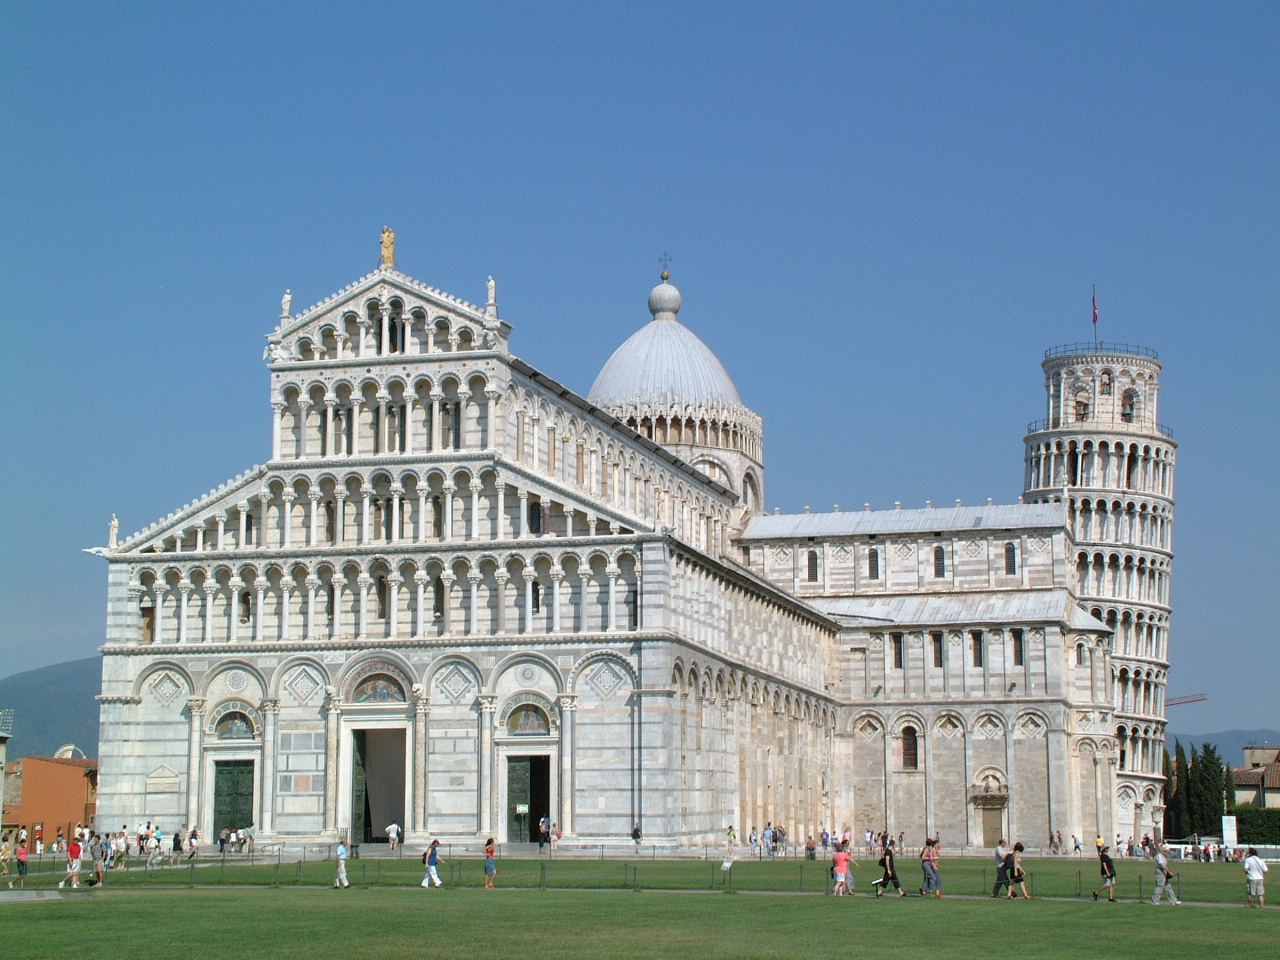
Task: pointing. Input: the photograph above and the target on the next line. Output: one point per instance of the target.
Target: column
(528, 604)
(384, 435)
(195, 740)
(330, 430)
(338, 597)
(491, 415)
(356, 403)
(222, 531)
(333, 717)
(533, 438)
(408, 423)
(393, 605)
(339, 516)
(420, 578)
(286, 605)
(473, 616)
(263, 499)
(464, 404)
(449, 489)
(234, 586)
(556, 577)
(386, 332)
(397, 492)
(270, 718)
(612, 573)
(364, 583)
(184, 599)
(277, 407)
(200, 538)
(313, 585)
(473, 528)
(501, 588)
(568, 714)
(421, 757)
(437, 418)
(488, 707)
(364, 516)
(313, 518)
(422, 510)
(159, 632)
(259, 606)
(207, 590)
(522, 522)
(446, 602)
(500, 515)
(288, 496)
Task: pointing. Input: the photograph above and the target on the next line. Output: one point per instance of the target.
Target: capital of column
(396, 579)
(493, 395)
(364, 580)
(397, 488)
(449, 487)
(568, 702)
(271, 706)
(135, 591)
(382, 397)
(196, 705)
(475, 579)
(436, 395)
(314, 582)
(502, 579)
(235, 583)
(208, 589)
(278, 405)
(448, 579)
(243, 506)
(264, 496)
(314, 495)
(557, 576)
(522, 494)
(421, 578)
(262, 583)
(186, 586)
(288, 495)
(488, 703)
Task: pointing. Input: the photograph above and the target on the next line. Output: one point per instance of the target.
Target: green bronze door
(232, 794)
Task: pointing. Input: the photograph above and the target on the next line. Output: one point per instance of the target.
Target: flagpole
(1095, 316)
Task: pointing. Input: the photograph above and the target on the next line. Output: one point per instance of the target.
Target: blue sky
(879, 216)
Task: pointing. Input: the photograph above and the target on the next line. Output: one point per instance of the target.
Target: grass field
(319, 923)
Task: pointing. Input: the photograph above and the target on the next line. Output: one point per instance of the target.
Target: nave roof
(1012, 516)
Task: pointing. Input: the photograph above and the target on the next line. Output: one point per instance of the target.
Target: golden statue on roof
(388, 247)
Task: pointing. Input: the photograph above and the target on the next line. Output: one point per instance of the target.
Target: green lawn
(1057, 877)
(319, 923)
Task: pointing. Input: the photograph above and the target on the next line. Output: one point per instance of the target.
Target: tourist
(556, 834)
(840, 861)
(340, 881)
(1164, 879)
(1017, 874)
(636, 836)
(1077, 850)
(100, 850)
(544, 833)
(74, 852)
(1061, 848)
(731, 840)
(6, 854)
(21, 857)
(175, 847)
(193, 844)
(491, 868)
(432, 859)
(754, 839)
(1108, 869)
(1255, 873)
(393, 837)
(810, 848)
(870, 842)
(224, 835)
(766, 838)
(890, 873)
(1002, 870)
(826, 842)
(39, 839)
(929, 863)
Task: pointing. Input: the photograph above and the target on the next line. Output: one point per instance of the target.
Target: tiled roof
(1023, 606)
(1012, 516)
(1267, 777)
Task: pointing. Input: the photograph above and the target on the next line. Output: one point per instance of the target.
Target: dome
(664, 362)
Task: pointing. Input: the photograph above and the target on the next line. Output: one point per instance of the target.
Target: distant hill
(1230, 743)
(52, 706)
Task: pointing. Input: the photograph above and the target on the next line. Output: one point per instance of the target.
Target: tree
(1206, 776)
(1229, 788)
(1170, 786)
(1178, 801)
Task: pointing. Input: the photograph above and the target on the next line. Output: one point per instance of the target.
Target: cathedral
(461, 597)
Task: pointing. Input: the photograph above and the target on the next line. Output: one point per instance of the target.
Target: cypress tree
(1170, 785)
(1229, 788)
(1194, 805)
(1211, 794)
(1178, 802)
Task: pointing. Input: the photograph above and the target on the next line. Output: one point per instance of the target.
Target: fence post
(728, 880)
(984, 879)
(635, 877)
(277, 883)
(364, 875)
(378, 881)
(544, 876)
(1140, 893)
(801, 874)
(192, 881)
(602, 851)
(1032, 878)
(1079, 883)
(654, 847)
(300, 868)
(1177, 884)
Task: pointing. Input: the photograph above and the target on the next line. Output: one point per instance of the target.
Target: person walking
(21, 857)
(1016, 874)
(556, 833)
(432, 860)
(490, 867)
(731, 840)
(887, 861)
(1255, 875)
(393, 837)
(1164, 878)
(340, 881)
(636, 836)
(754, 839)
(193, 844)
(6, 854)
(1108, 869)
(929, 863)
(1003, 859)
(840, 861)
(74, 852)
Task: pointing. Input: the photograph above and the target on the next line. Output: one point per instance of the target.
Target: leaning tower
(1102, 450)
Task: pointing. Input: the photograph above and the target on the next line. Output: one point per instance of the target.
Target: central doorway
(232, 795)
(377, 784)
(528, 796)
(992, 826)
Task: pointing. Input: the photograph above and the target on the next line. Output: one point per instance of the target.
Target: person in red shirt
(21, 856)
(840, 862)
(74, 851)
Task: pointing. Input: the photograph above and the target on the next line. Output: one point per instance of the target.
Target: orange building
(51, 792)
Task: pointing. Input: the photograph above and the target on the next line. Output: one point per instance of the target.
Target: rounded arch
(526, 656)
(172, 667)
(226, 666)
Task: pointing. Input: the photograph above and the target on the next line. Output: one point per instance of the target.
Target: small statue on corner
(388, 247)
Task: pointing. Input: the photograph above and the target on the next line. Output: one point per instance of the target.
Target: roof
(664, 362)
(1012, 516)
(1267, 777)
(1022, 606)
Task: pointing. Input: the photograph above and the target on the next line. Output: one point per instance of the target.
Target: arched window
(535, 518)
(899, 660)
(246, 606)
(248, 529)
(873, 564)
(537, 596)
(148, 622)
(939, 562)
(1082, 408)
(1105, 385)
(1011, 559)
(1019, 648)
(330, 602)
(1079, 654)
(939, 650)
(910, 749)
(978, 644)
(813, 566)
(437, 598)
(1128, 403)
(381, 587)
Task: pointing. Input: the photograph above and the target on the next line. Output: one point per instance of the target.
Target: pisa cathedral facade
(461, 596)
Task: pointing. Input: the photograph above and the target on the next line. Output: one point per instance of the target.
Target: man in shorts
(98, 849)
(1108, 869)
(1255, 874)
(340, 881)
(393, 836)
(74, 851)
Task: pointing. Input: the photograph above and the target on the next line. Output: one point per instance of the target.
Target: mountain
(1230, 743)
(52, 706)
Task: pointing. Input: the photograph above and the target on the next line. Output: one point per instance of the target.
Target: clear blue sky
(879, 216)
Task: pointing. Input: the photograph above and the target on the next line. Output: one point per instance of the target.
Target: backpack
(424, 857)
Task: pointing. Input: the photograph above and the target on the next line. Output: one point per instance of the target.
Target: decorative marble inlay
(302, 685)
(605, 679)
(237, 680)
(454, 684)
(165, 688)
(528, 674)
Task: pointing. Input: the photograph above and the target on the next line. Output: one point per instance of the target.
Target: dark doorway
(377, 784)
(528, 797)
(232, 794)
